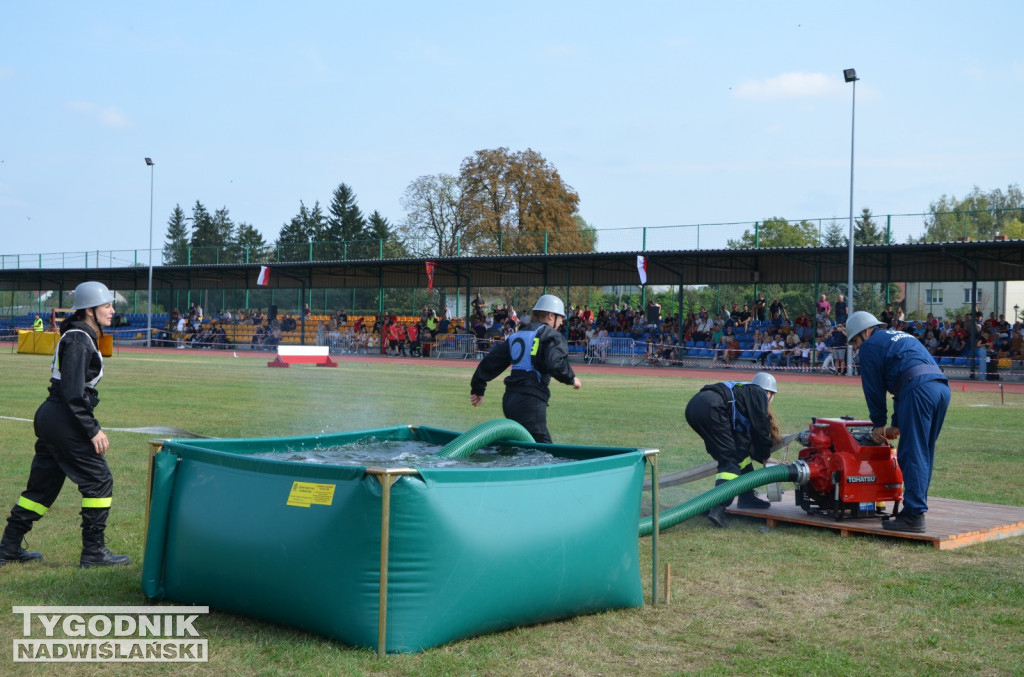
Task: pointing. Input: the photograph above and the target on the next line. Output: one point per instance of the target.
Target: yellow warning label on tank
(305, 494)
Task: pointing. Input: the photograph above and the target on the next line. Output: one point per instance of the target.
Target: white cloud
(430, 53)
(560, 52)
(791, 86)
(316, 61)
(106, 117)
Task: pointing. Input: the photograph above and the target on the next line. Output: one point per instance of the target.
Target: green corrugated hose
(477, 437)
(503, 429)
(723, 492)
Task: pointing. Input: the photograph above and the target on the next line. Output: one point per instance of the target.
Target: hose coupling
(800, 472)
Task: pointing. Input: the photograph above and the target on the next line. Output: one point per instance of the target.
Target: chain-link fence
(880, 229)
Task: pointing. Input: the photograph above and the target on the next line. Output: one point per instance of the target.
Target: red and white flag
(513, 315)
(430, 275)
(641, 267)
(264, 279)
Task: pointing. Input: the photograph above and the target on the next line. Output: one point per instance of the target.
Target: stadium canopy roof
(938, 262)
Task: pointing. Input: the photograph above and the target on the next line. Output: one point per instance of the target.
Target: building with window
(942, 298)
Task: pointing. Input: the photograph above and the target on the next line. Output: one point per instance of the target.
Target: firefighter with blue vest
(898, 363)
(70, 442)
(738, 427)
(537, 352)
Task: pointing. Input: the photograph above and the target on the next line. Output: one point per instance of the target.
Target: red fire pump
(850, 474)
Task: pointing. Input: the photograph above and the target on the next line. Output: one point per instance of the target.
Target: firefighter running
(537, 352)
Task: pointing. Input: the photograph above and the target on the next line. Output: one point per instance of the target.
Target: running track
(708, 374)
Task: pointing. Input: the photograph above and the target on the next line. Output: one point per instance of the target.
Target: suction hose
(797, 472)
(480, 436)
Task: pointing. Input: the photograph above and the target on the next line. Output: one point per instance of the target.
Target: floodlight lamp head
(850, 75)
(149, 162)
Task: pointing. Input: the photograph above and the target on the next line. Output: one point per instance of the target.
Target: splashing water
(412, 454)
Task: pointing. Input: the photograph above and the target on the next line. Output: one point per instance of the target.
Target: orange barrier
(106, 345)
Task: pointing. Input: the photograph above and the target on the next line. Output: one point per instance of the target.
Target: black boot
(748, 500)
(11, 550)
(95, 554)
(717, 516)
(905, 522)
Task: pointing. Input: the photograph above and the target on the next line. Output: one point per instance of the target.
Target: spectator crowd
(762, 332)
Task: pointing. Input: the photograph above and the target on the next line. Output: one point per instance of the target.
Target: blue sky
(656, 113)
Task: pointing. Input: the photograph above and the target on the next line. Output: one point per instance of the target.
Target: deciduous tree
(436, 221)
(978, 216)
(778, 232)
(516, 201)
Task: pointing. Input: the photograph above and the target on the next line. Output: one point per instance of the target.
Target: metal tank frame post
(651, 455)
(387, 477)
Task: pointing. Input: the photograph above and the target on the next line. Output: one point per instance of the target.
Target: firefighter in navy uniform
(537, 352)
(70, 442)
(737, 427)
(895, 362)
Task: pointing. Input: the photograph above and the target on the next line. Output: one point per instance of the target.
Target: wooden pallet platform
(950, 523)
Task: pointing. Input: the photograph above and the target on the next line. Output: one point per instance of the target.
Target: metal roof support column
(972, 336)
(757, 245)
(888, 278)
(643, 287)
(302, 315)
(568, 289)
(380, 294)
(679, 322)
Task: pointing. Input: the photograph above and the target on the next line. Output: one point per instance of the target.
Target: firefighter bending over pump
(738, 427)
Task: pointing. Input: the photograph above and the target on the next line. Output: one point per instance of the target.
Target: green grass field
(748, 600)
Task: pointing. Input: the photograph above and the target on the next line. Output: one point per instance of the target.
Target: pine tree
(865, 231)
(316, 226)
(224, 229)
(205, 238)
(346, 227)
(249, 245)
(177, 240)
(835, 235)
(293, 240)
(378, 228)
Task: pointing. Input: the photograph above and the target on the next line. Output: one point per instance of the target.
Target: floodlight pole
(149, 298)
(850, 75)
